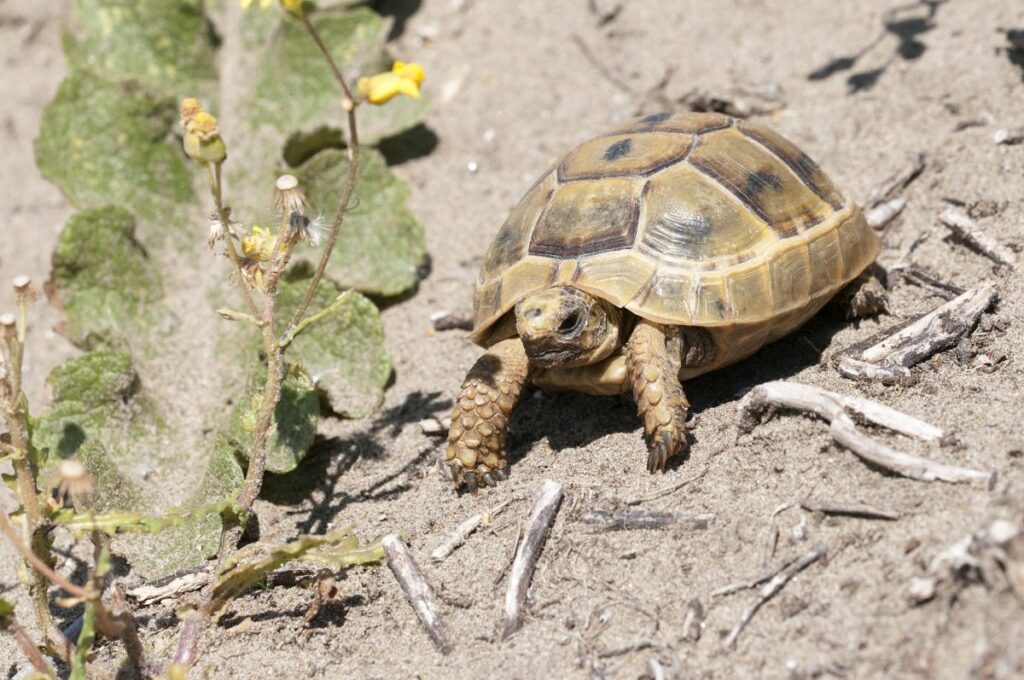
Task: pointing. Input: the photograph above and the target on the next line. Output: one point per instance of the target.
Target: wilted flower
(259, 245)
(288, 195)
(302, 227)
(75, 482)
(202, 139)
(403, 78)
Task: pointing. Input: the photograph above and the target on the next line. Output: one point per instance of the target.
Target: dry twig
(462, 532)
(834, 408)
(891, 187)
(885, 212)
(417, 590)
(830, 507)
(968, 231)
(940, 329)
(537, 527)
(772, 588)
(618, 520)
(665, 490)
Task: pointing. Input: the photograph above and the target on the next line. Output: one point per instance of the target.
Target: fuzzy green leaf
(344, 351)
(186, 545)
(95, 396)
(381, 245)
(165, 44)
(110, 288)
(294, 423)
(295, 90)
(105, 142)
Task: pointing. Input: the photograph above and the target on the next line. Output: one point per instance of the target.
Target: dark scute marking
(656, 118)
(759, 181)
(809, 172)
(618, 149)
(738, 191)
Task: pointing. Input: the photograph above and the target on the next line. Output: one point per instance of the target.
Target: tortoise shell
(686, 219)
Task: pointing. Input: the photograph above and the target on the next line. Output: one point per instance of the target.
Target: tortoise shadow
(575, 420)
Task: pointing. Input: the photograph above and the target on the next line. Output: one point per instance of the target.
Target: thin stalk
(213, 177)
(313, 318)
(25, 473)
(8, 530)
(347, 188)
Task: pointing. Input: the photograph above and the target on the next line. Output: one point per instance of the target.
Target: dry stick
(884, 213)
(897, 182)
(462, 532)
(832, 407)
(889, 360)
(537, 527)
(417, 590)
(618, 520)
(37, 663)
(830, 507)
(934, 331)
(148, 593)
(772, 588)
(968, 231)
(753, 582)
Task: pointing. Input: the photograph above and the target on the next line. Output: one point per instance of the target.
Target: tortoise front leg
(866, 295)
(476, 439)
(653, 370)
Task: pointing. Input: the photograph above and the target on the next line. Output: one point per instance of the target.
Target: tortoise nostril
(569, 323)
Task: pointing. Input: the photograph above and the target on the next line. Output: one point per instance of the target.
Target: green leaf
(84, 645)
(106, 142)
(344, 351)
(165, 44)
(381, 245)
(6, 609)
(294, 423)
(110, 288)
(295, 90)
(95, 396)
(244, 568)
(186, 545)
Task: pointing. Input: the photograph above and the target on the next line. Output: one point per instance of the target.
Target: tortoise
(671, 246)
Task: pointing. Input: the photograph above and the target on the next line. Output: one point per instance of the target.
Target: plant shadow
(907, 23)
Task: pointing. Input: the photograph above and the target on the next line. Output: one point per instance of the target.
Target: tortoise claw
(488, 479)
(501, 474)
(471, 484)
(662, 450)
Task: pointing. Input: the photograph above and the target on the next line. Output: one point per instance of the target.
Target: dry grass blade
(830, 507)
(772, 588)
(971, 233)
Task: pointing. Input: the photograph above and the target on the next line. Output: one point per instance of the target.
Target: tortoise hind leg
(476, 439)
(653, 370)
(866, 295)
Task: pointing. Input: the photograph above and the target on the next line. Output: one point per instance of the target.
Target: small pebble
(1009, 137)
(472, 167)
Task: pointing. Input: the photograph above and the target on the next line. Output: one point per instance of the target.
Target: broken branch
(833, 407)
(417, 590)
(968, 231)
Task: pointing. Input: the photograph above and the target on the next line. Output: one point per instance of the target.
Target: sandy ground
(514, 86)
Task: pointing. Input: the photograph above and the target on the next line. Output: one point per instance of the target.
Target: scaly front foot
(654, 376)
(476, 439)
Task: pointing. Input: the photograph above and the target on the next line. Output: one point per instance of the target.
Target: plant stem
(8, 530)
(26, 473)
(213, 177)
(347, 188)
(313, 318)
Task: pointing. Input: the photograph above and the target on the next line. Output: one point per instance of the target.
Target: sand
(514, 86)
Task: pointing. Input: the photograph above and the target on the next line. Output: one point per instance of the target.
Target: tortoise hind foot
(476, 439)
(866, 295)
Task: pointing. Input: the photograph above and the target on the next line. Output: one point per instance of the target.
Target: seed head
(288, 196)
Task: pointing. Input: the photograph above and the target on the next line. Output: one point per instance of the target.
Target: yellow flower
(259, 245)
(189, 108)
(403, 78)
(202, 138)
(293, 6)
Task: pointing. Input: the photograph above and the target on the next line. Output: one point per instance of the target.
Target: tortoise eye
(569, 323)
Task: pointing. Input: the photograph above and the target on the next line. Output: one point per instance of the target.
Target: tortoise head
(565, 327)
